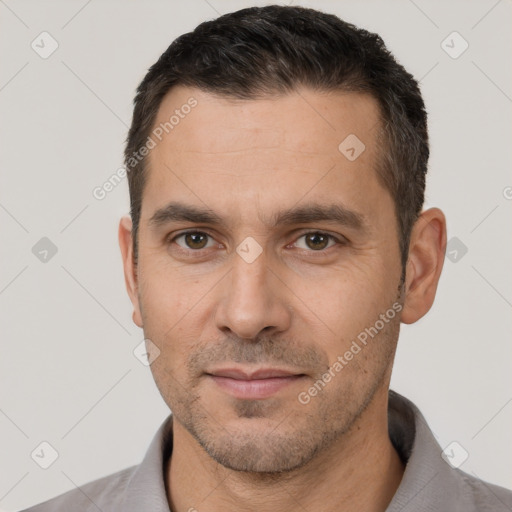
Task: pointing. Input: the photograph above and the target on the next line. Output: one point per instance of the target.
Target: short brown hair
(264, 51)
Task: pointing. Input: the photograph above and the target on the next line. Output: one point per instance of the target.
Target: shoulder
(104, 494)
(430, 481)
(484, 496)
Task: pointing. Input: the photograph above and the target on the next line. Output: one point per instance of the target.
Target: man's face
(241, 294)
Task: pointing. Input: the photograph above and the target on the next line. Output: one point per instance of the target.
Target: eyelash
(337, 240)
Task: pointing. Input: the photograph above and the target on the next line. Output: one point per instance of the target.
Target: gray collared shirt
(429, 483)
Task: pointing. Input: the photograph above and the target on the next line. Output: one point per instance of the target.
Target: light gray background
(68, 374)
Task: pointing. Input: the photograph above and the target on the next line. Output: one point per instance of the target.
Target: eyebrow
(337, 213)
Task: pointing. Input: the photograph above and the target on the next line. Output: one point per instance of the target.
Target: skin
(298, 306)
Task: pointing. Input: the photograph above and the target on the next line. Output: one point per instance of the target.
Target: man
(277, 160)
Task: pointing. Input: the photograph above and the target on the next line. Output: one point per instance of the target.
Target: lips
(264, 373)
(256, 385)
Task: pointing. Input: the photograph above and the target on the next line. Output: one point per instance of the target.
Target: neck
(361, 471)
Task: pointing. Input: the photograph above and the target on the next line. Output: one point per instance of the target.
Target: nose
(252, 299)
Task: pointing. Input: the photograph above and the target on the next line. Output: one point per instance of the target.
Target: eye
(193, 240)
(317, 241)
(312, 241)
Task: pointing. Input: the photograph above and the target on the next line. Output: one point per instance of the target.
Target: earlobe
(130, 270)
(424, 265)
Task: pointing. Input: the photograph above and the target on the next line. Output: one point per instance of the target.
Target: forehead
(304, 121)
(219, 151)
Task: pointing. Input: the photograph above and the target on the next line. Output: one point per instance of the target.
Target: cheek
(340, 304)
(170, 304)
(169, 291)
(347, 293)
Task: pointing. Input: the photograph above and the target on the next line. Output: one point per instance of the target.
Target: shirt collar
(429, 483)
(146, 489)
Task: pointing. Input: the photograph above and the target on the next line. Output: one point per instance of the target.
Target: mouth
(253, 385)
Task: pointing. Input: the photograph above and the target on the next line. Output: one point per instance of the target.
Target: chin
(264, 453)
(256, 443)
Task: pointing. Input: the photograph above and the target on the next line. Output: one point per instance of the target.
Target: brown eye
(193, 240)
(316, 241)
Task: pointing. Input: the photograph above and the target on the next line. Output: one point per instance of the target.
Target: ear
(425, 262)
(130, 270)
